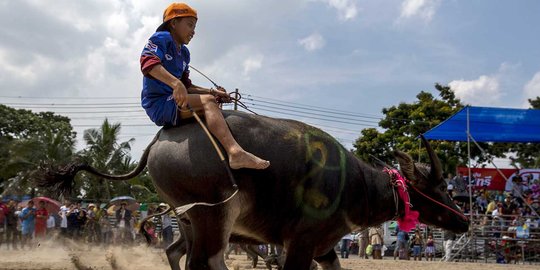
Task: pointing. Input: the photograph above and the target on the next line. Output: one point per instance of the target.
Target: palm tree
(106, 154)
(26, 155)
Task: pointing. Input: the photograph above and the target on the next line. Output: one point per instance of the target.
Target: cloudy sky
(332, 63)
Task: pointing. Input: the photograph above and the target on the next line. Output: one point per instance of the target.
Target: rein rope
(441, 204)
(232, 98)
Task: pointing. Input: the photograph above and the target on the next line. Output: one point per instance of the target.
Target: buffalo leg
(329, 261)
(299, 255)
(252, 254)
(175, 251)
(209, 239)
(187, 234)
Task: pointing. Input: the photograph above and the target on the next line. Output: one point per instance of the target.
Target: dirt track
(49, 256)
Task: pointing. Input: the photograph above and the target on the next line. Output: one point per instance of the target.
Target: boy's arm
(220, 92)
(179, 90)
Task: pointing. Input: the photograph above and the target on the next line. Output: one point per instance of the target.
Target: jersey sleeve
(153, 53)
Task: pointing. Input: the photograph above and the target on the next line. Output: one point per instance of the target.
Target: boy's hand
(180, 94)
(221, 95)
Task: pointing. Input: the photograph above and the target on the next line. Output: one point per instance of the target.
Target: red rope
(441, 204)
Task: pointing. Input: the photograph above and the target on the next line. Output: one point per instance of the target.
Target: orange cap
(176, 10)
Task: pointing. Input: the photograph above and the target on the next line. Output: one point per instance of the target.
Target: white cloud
(312, 42)
(532, 88)
(424, 9)
(346, 9)
(483, 91)
(252, 63)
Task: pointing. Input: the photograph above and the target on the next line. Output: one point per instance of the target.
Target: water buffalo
(314, 192)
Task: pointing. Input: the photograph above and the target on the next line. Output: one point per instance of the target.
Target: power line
(317, 118)
(313, 113)
(314, 108)
(75, 98)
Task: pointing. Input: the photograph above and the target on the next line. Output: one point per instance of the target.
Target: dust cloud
(67, 255)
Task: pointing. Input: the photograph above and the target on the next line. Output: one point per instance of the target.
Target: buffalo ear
(406, 164)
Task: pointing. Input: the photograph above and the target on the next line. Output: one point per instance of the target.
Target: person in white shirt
(51, 224)
(166, 227)
(63, 216)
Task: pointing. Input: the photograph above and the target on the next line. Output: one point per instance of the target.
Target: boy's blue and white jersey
(155, 94)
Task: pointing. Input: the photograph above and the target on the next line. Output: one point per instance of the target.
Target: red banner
(489, 178)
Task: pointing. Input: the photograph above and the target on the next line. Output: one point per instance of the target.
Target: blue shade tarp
(490, 125)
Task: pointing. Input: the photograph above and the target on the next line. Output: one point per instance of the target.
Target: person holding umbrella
(41, 220)
(123, 219)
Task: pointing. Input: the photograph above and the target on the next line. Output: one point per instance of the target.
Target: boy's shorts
(168, 115)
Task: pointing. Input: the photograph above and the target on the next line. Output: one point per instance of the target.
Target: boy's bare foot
(247, 160)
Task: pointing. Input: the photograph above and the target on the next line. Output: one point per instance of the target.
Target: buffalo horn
(436, 168)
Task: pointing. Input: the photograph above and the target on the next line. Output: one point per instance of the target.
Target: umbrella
(131, 204)
(52, 206)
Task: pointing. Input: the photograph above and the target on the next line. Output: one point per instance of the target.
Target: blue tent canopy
(489, 125)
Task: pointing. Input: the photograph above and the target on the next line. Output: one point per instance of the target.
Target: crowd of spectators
(26, 226)
(506, 219)
(499, 216)
(499, 209)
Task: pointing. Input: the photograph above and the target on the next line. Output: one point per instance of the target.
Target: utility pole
(236, 99)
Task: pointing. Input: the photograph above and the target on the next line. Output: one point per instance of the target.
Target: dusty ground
(54, 257)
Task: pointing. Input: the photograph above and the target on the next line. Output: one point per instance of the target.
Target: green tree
(527, 154)
(28, 140)
(403, 124)
(104, 153)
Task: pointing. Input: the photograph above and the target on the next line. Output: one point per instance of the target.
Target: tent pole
(419, 149)
(471, 224)
(469, 164)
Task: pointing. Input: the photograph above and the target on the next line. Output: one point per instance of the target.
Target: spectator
(449, 238)
(105, 229)
(460, 185)
(517, 187)
(492, 205)
(401, 248)
(499, 197)
(27, 216)
(345, 244)
(72, 215)
(4, 211)
(123, 219)
(80, 222)
(63, 213)
(417, 244)
(51, 225)
(376, 240)
(363, 241)
(166, 226)
(482, 202)
(41, 221)
(430, 248)
(12, 219)
(497, 220)
(451, 183)
(91, 224)
(150, 228)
